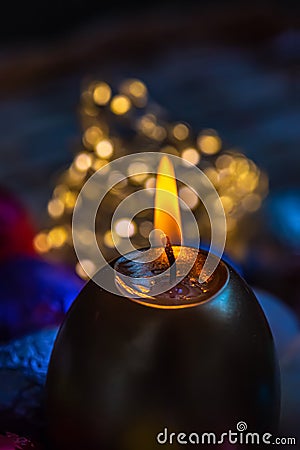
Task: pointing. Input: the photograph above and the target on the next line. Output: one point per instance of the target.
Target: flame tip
(167, 213)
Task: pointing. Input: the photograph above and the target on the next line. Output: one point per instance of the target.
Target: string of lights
(117, 122)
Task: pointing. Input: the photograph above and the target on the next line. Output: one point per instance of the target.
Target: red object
(16, 229)
(14, 442)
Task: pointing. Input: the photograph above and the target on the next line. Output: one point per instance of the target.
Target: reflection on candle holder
(138, 283)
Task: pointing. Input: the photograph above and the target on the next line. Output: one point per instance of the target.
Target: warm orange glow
(167, 213)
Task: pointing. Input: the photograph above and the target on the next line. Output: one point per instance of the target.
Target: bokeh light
(83, 162)
(106, 136)
(125, 228)
(227, 203)
(189, 197)
(57, 236)
(111, 240)
(56, 208)
(191, 155)
(158, 133)
(92, 136)
(104, 149)
(137, 168)
(224, 161)
(180, 131)
(69, 199)
(41, 243)
(213, 175)
(147, 123)
(89, 266)
(102, 93)
(209, 142)
(74, 177)
(120, 104)
(150, 185)
(99, 164)
(136, 90)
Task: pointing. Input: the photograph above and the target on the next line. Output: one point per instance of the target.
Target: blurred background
(214, 82)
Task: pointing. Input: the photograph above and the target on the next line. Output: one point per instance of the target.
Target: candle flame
(167, 213)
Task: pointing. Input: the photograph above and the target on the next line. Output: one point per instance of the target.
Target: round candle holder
(122, 371)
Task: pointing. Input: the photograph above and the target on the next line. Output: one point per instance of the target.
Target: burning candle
(166, 259)
(179, 349)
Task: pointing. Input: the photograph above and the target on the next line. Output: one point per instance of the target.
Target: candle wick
(171, 258)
